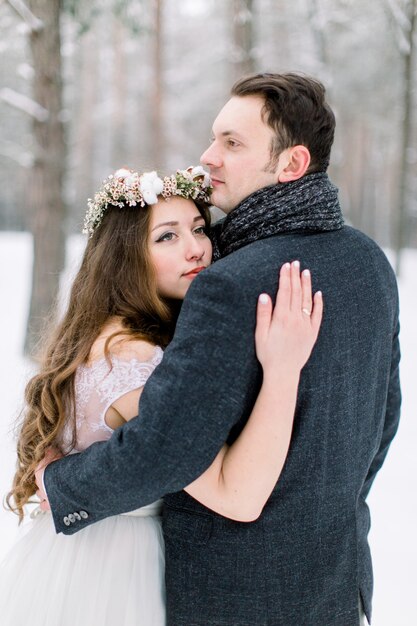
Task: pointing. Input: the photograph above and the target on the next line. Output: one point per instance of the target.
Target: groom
(306, 560)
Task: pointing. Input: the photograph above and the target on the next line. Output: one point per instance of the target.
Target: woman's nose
(195, 250)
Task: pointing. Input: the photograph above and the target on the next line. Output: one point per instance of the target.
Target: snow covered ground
(393, 500)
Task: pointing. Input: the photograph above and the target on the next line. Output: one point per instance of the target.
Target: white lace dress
(108, 574)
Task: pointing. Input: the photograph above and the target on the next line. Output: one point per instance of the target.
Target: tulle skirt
(108, 574)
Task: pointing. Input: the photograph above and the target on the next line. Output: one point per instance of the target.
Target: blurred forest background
(89, 86)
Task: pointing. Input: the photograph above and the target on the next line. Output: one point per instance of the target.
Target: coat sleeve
(392, 414)
(203, 385)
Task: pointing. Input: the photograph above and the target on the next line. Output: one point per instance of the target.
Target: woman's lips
(193, 273)
(216, 182)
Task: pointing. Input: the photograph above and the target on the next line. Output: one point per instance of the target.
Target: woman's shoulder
(127, 349)
(121, 346)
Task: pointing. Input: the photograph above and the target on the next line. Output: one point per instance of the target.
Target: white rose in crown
(151, 187)
(200, 171)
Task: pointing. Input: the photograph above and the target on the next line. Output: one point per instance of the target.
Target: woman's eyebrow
(164, 224)
(196, 219)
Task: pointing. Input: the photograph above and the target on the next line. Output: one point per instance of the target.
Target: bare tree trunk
(243, 38)
(46, 181)
(157, 139)
(406, 134)
(354, 171)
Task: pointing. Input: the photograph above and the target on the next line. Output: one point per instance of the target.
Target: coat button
(71, 518)
(84, 514)
(77, 516)
(66, 521)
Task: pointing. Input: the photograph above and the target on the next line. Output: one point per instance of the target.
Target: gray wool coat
(306, 559)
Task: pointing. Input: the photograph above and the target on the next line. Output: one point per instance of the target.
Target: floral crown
(128, 187)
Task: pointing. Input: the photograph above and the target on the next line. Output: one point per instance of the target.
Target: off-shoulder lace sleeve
(97, 387)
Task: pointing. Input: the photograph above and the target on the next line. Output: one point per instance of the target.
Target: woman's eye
(232, 143)
(201, 230)
(166, 237)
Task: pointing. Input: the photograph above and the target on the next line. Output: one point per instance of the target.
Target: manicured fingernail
(287, 266)
(306, 273)
(297, 264)
(319, 294)
(263, 298)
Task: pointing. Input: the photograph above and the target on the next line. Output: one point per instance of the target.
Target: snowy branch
(34, 23)
(402, 26)
(398, 14)
(15, 152)
(24, 103)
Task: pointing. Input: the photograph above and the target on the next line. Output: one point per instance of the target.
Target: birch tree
(47, 173)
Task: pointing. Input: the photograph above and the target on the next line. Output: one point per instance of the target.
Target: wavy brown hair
(116, 278)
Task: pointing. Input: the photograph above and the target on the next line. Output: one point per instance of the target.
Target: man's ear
(298, 162)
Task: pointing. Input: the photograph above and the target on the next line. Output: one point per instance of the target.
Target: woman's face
(178, 245)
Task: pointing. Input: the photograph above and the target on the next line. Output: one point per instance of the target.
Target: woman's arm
(242, 476)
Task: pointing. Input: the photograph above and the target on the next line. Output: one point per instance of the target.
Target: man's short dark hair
(296, 109)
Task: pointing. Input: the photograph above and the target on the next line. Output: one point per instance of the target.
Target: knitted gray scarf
(309, 204)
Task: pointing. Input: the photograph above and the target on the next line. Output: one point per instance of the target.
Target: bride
(148, 240)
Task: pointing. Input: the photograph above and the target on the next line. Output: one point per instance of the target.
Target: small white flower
(122, 173)
(131, 180)
(151, 187)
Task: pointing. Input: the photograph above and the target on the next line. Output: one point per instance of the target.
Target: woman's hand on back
(285, 334)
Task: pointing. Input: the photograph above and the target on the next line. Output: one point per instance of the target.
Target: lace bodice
(96, 388)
